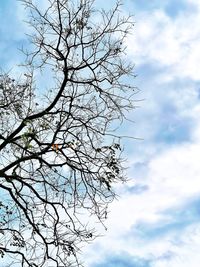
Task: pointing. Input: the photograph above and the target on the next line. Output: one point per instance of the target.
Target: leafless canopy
(58, 154)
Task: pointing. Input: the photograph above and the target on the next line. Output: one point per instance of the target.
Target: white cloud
(186, 254)
(173, 179)
(168, 42)
(172, 173)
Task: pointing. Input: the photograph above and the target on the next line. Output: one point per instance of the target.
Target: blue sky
(156, 220)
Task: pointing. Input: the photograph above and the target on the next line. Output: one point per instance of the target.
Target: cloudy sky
(156, 221)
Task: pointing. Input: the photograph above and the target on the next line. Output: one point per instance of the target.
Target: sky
(156, 220)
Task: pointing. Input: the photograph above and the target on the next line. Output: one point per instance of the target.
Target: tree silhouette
(59, 154)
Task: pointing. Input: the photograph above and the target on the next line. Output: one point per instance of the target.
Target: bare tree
(59, 154)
